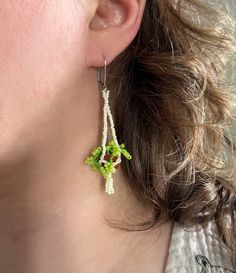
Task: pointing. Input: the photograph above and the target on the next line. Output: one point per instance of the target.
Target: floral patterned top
(198, 251)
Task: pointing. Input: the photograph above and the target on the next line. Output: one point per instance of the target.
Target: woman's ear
(113, 26)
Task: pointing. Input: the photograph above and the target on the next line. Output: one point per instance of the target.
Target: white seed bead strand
(104, 94)
(113, 132)
(109, 189)
(112, 124)
(109, 181)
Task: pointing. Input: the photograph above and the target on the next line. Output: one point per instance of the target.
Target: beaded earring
(106, 158)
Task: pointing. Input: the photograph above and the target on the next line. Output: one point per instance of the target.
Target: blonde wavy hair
(173, 107)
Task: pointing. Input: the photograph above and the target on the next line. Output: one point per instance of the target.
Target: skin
(52, 205)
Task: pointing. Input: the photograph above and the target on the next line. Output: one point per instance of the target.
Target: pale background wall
(230, 6)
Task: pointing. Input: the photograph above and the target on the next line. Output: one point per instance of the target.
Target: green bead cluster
(112, 153)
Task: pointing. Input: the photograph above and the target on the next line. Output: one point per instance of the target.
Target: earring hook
(104, 82)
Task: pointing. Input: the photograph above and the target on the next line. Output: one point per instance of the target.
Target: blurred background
(230, 6)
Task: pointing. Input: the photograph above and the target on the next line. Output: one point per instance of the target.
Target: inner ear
(108, 13)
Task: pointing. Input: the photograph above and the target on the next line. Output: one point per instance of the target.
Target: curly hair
(173, 106)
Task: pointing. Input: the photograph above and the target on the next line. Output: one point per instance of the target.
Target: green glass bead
(126, 154)
(96, 151)
(109, 167)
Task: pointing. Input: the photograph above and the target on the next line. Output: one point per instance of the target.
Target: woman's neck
(52, 220)
(53, 206)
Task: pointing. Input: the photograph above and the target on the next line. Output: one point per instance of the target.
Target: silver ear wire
(104, 82)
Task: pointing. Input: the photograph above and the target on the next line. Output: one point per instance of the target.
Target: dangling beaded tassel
(106, 158)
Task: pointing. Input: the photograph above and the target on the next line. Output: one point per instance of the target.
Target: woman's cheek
(40, 36)
(42, 45)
